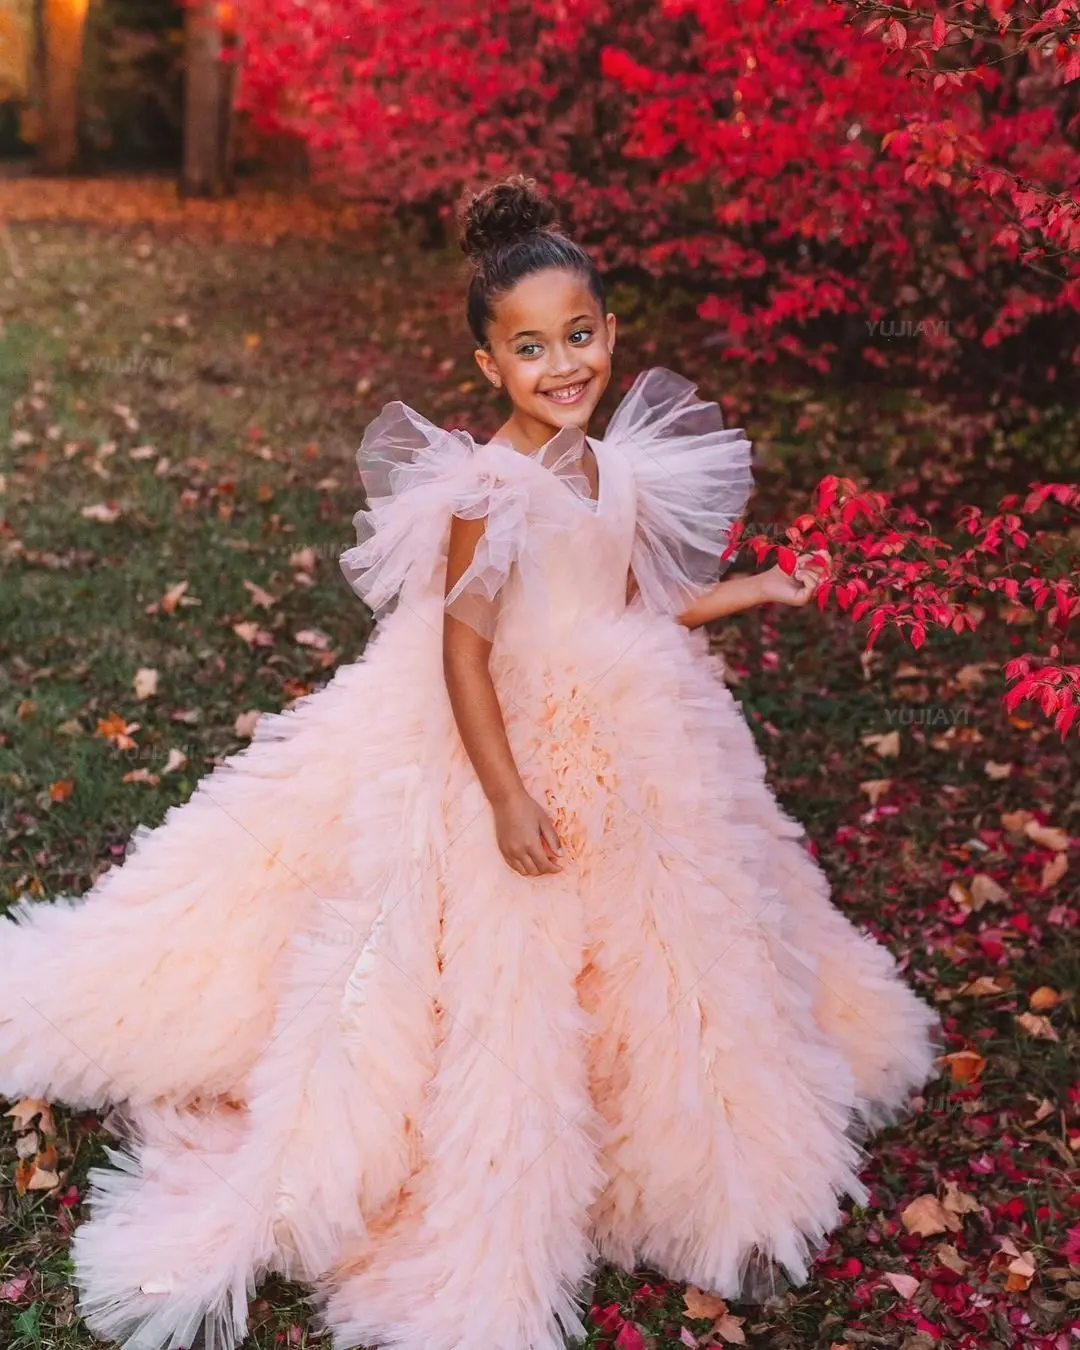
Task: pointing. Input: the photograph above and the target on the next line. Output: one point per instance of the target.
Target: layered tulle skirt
(353, 1046)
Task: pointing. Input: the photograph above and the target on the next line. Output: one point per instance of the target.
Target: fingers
(549, 836)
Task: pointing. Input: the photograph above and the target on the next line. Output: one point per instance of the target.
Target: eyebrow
(535, 332)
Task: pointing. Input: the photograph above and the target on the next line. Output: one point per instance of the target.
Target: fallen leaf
(252, 634)
(61, 790)
(875, 788)
(12, 1290)
(142, 776)
(982, 987)
(1038, 1027)
(1047, 836)
(1053, 870)
(730, 1329)
(260, 597)
(172, 596)
(957, 1201)
(304, 560)
(926, 1216)
(699, 1304)
(1014, 821)
(1045, 997)
(950, 1258)
(905, 1285)
(995, 771)
(1020, 1272)
(145, 683)
(965, 1065)
(885, 744)
(312, 637)
(105, 513)
(245, 722)
(985, 890)
(28, 1109)
(177, 759)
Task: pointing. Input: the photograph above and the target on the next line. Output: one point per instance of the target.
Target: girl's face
(550, 349)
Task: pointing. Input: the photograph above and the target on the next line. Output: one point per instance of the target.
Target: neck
(528, 433)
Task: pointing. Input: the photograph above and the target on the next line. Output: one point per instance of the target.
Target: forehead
(544, 301)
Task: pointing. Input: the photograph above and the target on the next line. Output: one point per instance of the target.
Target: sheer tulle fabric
(692, 480)
(417, 476)
(693, 477)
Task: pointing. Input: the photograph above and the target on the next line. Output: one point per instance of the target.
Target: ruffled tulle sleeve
(416, 476)
(693, 478)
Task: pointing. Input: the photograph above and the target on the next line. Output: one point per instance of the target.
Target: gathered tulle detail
(693, 479)
(417, 476)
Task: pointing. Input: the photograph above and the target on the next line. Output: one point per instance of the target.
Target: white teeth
(566, 395)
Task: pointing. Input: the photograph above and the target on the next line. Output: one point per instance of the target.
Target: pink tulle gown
(353, 1046)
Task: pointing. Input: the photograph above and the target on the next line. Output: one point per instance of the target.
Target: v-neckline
(537, 456)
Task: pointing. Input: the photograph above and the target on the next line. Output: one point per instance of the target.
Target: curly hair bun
(499, 214)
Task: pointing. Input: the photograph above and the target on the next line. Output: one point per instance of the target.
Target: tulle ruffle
(417, 476)
(693, 479)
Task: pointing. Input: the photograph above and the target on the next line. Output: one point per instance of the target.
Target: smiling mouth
(569, 393)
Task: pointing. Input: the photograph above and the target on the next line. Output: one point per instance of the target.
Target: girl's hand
(526, 836)
(798, 588)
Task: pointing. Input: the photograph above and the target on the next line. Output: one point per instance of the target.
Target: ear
(611, 322)
(487, 364)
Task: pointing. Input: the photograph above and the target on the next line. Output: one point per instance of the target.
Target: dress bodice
(672, 480)
(585, 563)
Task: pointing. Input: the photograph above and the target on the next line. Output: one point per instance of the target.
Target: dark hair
(509, 230)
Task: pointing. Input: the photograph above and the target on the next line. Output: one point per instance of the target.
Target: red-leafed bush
(860, 187)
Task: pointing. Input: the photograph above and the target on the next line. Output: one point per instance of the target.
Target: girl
(497, 955)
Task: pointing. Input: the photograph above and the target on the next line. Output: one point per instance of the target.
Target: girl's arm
(522, 826)
(737, 593)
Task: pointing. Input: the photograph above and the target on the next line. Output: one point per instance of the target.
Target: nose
(564, 359)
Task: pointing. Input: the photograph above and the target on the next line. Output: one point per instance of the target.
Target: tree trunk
(62, 33)
(208, 86)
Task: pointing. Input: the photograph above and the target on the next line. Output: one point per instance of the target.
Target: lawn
(181, 398)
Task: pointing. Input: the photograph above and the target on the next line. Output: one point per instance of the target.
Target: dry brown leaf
(926, 1216)
(177, 759)
(27, 1109)
(884, 744)
(1053, 870)
(960, 895)
(1014, 821)
(698, 1303)
(982, 987)
(729, 1329)
(145, 683)
(906, 1286)
(995, 771)
(950, 1258)
(252, 634)
(259, 596)
(1020, 1273)
(875, 788)
(61, 790)
(965, 1065)
(1038, 1027)
(142, 776)
(303, 560)
(986, 891)
(1047, 836)
(105, 513)
(1044, 997)
(957, 1201)
(245, 722)
(173, 596)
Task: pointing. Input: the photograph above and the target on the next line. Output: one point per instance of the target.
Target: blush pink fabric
(349, 1044)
